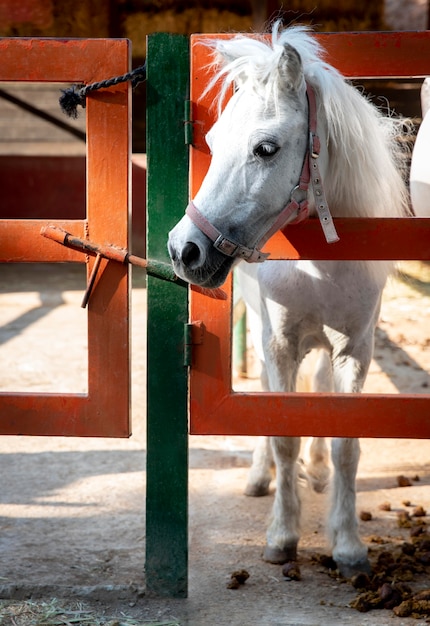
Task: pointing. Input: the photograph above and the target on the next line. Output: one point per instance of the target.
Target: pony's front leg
(349, 552)
(261, 472)
(282, 360)
(284, 531)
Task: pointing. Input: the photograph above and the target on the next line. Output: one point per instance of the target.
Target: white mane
(366, 161)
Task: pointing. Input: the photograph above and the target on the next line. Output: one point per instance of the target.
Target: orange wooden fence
(214, 407)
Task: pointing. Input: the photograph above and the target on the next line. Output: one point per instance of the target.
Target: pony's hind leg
(284, 531)
(262, 468)
(316, 455)
(316, 464)
(260, 474)
(349, 369)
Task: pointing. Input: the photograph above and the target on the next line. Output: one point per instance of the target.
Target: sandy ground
(72, 510)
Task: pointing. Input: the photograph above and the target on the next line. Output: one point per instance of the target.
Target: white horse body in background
(259, 145)
(420, 165)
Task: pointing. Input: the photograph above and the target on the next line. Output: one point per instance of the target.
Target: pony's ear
(290, 68)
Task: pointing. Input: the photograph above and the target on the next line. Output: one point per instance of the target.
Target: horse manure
(325, 560)
(366, 602)
(404, 609)
(416, 606)
(403, 481)
(237, 579)
(403, 519)
(384, 506)
(423, 558)
(419, 511)
(416, 531)
(422, 543)
(365, 516)
(391, 595)
(361, 581)
(408, 548)
(385, 559)
(388, 585)
(291, 571)
(387, 596)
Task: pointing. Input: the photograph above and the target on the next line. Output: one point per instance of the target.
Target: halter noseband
(299, 209)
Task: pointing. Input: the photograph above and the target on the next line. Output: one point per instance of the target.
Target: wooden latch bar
(158, 269)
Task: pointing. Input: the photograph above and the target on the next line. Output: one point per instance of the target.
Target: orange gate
(104, 410)
(214, 407)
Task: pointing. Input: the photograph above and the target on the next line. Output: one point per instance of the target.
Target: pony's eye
(265, 150)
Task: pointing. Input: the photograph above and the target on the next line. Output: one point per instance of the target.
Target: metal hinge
(193, 335)
(188, 123)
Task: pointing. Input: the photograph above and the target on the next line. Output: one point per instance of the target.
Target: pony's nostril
(190, 254)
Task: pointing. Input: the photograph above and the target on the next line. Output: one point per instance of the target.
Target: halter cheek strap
(312, 155)
(296, 211)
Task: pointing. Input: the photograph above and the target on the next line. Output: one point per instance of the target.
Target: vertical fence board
(167, 417)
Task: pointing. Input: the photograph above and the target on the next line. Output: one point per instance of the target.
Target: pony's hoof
(319, 481)
(279, 556)
(256, 490)
(348, 571)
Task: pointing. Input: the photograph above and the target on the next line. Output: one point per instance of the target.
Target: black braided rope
(76, 95)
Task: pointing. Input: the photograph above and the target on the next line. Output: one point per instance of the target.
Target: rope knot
(73, 97)
(76, 95)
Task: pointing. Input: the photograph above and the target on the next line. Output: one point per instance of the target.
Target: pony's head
(259, 148)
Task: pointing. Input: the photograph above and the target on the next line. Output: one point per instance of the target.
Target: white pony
(289, 106)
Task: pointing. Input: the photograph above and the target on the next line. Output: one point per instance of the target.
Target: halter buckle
(315, 145)
(233, 249)
(226, 246)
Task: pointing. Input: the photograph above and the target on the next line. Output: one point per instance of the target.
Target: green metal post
(167, 416)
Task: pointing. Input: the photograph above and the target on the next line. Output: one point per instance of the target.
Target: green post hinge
(188, 123)
(193, 335)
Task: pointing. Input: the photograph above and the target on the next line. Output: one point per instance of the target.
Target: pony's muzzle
(186, 254)
(194, 257)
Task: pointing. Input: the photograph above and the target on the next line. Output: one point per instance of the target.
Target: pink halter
(310, 173)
